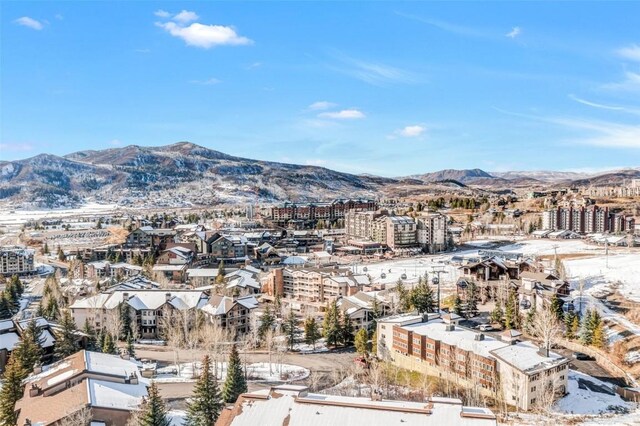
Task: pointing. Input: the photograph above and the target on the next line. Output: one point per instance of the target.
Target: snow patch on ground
(621, 272)
(303, 348)
(261, 371)
(583, 399)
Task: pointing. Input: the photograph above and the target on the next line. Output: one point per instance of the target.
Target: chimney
(34, 390)
(27, 422)
(133, 378)
(449, 327)
(167, 296)
(425, 317)
(479, 337)
(37, 369)
(125, 296)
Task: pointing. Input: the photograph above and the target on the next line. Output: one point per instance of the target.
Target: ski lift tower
(436, 271)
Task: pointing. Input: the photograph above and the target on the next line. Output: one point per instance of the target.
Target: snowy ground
(320, 346)
(544, 246)
(601, 276)
(587, 396)
(11, 218)
(413, 268)
(177, 417)
(261, 371)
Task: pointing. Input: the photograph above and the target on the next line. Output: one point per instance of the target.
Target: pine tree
(51, 309)
(575, 326)
(586, 335)
(61, 256)
(235, 383)
(362, 342)
(17, 285)
(556, 307)
(311, 331)
(130, 349)
(125, 320)
(511, 319)
(471, 307)
(496, 314)
(376, 312)
(12, 390)
(154, 412)
(109, 347)
(206, 403)
(291, 328)
(267, 320)
(346, 330)
(66, 338)
(598, 336)
(92, 339)
(29, 351)
(331, 325)
(45, 248)
(457, 306)
(422, 297)
(404, 297)
(5, 307)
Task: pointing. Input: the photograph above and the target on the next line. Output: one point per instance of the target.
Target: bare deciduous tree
(546, 327)
(80, 417)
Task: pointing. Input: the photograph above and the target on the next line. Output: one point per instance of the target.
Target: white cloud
(373, 73)
(607, 134)
(603, 106)
(254, 65)
(25, 21)
(58, 16)
(411, 131)
(185, 17)
(162, 13)
(446, 26)
(515, 32)
(631, 83)
(345, 114)
(16, 147)
(208, 82)
(321, 105)
(631, 52)
(115, 142)
(205, 36)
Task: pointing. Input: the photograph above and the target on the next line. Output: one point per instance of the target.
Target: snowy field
(413, 268)
(582, 400)
(548, 247)
(15, 218)
(622, 272)
(260, 371)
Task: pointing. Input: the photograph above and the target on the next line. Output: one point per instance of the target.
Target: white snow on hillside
(582, 400)
(621, 271)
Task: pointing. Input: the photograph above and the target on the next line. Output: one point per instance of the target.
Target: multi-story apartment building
(396, 232)
(314, 287)
(148, 237)
(518, 371)
(358, 224)
(16, 260)
(231, 313)
(592, 219)
(432, 232)
(336, 209)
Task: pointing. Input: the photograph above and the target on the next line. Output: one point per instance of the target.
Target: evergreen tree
(404, 297)
(235, 383)
(29, 350)
(206, 403)
(346, 330)
(109, 347)
(125, 320)
(457, 306)
(267, 320)
(422, 297)
(291, 328)
(221, 268)
(311, 331)
(154, 412)
(45, 248)
(569, 331)
(17, 285)
(376, 312)
(511, 319)
(374, 342)
(101, 340)
(11, 391)
(130, 349)
(61, 256)
(331, 325)
(556, 307)
(92, 339)
(471, 307)
(6, 310)
(362, 342)
(51, 309)
(586, 335)
(496, 314)
(575, 326)
(66, 338)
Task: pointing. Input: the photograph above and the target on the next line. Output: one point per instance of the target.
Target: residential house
(231, 313)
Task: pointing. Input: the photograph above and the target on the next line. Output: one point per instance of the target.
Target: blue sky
(385, 88)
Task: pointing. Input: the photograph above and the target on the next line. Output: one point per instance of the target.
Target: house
(266, 254)
(204, 239)
(200, 277)
(294, 405)
(148, 237)
(243, 281)
(176, 255)
(360, 308)
(229, 247)
(231, 313)
(175, 273)
(11, 332)
(537, 288)
(519, 371)
(108, 386)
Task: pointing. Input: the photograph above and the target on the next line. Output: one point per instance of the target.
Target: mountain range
(187, 174)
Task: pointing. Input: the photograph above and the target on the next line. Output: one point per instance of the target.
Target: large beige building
(518, 372)
(16, 260)
(396, 232)
(309, 289)
(432, 232)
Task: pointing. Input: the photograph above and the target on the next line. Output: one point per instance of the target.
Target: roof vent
(449, 327)
(479, 337)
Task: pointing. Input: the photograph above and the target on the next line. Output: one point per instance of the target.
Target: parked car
(485, 327)
(580, 356)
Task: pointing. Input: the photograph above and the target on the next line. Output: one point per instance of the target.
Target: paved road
(592, 368)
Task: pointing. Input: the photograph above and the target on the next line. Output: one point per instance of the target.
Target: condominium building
(312, 286)
(336, 209)
(432, 232)
(358, 224)
(518, 371)
(16, 260)
(396, 232)
(592, 219)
